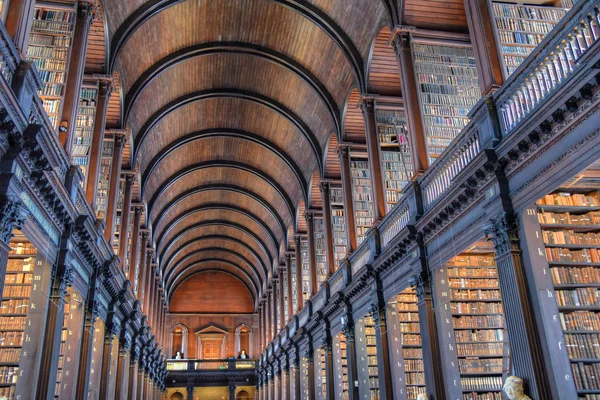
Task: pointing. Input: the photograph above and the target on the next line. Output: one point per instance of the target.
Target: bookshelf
(406, 347)
(295, 303)
(63, 341)
(127, 261)
(305, 265)
(104, 179)
(304, 379)
(361, 195)
(570, 226)
(368, 372)
(277, 322)
(49, 49)
(520, 29)
(118, 217)
(320, 251)
(479, 349)
(286, 310)
(84, 128)
(340, 240)
(396, 162)
(449, 88)
(321, 374)
(13, 312)
(340, 361)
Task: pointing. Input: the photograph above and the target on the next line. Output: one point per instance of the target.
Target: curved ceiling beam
(169, 272)
(303, 7)
(218, 206)
(187, 272)
(231, 94)
(225, 188)
(217, 237)
(214, 250)
(214, 222)
(229, 133)
(226, 164)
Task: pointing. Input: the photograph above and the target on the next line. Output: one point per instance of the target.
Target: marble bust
(422, 396)
(513, 387)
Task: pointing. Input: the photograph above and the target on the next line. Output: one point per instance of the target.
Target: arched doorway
(243, 340)
(179, 339)
(243, 395)
(176, 396)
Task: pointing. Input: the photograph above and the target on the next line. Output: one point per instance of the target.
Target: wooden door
(211, 350)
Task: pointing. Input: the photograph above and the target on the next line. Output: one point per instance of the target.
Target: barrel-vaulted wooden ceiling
(235, 109)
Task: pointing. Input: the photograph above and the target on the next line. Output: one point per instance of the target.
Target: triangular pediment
(211, 329)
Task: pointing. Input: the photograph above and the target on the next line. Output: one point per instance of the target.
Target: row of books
(479, 383)
(415, 378)
(480, 349)
(482, 396)
(11, 338)
(480, 321)
(587, 376)
(412, 353)
(580, 346)
(590, 218)
(528, 12)
(51, 90)
(14, 306)
(36, 39)
(20, 265)
(476, 308)
(568, 199)
(556, 254)
(53, 15)
(9, 374)
(22, 248)
(579, 297)
(480, 365)
(16, 291)
(61, 53)
(485, 335)
(9, 355)
(580, 321)
(40, 26)
(10, 323)
(571, 238)
(569, 275)
(473, 294)
(512, 24)
(473, 272)
(472, 283)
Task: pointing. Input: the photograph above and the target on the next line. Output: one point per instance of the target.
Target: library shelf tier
(84, 128)
(364, 212)
(340, 360)
(340, 239)
(320, 251)
(305, 265)
(104, 178)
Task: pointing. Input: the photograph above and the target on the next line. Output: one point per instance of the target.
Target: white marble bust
(422, 396)
(513, 387)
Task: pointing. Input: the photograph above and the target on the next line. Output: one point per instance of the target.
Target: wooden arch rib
(205, 49)
(314, 192)
(237, 189)
(193, 269)
(211, 223)
(307, 10)
(185, 246)
(213, 252)
(229, 164)
(265, 101)
(231, 133)
(218, 206)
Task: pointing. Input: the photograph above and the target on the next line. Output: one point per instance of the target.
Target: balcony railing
(555, 60)
(210, 365)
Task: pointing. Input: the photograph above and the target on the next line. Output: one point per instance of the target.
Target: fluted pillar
(344, 154)
(328, 225)
(312, 260)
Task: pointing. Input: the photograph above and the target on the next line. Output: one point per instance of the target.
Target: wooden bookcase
(340, 362)
(321, 374)
(118, 216)
(366, 348)
(520, 28)
(63, 341)
(476, 354)
(305, 265)
(84, 128)
(104, 178)
(304, 379)
(361, 195)
(295, 299)
(396, 161)
(570, 227)
(449, 88)
(406, 353)
(286, 310)
(340, 239)
(320, 251)
(50, 49)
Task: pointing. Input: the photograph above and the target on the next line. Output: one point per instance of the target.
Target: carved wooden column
(97, 145)
(85, 15)
(135, 273)
(344, 154)
(481, 31)
(352, 364)
(109, 363)
(268, 317)
(231, 389)
(329, 368)
(125, 212)
(72, 350)
(122, 387)
(285, 379)
(298, 272)
(143, 267)
(310, 359)
(190, 392)
(133, 373)
(87, 339)
(18, 22)
(312, 258)
(526, 354)
(297, 392)
(328, 225)
(141, 381)
(410, 95)
(429, 337)
(290, 299)
(281, 297)
(113, 187)
(260, 326)
(93, 385)
(12, 216)
(149, 278)
(275, 315)
(383, 351)
(368, 109)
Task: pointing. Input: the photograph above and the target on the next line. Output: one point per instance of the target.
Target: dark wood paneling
(354, 122)
(212, 292)
(332, 160)
(384, 76)
(316, 202)
(448, 15)
(95, 59)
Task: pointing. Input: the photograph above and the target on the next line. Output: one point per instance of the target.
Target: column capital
(324, 186)
(503, 231)
(343, 150)
(367, 104)
(12, 215)
(309, 215)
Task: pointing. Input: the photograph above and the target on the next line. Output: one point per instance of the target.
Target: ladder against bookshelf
(320, 251)
(396, 161)
(449, 88)
(305, 265)
(479, 355)
(361, 195)
(340, 361)
(104, 179)
(406, 347)
(84, 128)
(340, 239)
(49, 49)
(570, 226)
(521, 28)
(366, 348)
